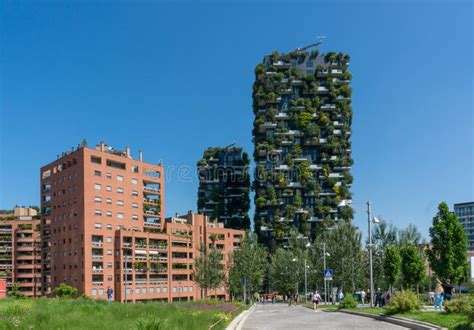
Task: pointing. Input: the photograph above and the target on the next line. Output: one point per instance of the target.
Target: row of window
(98, 199)
(119, 215)
(109, 176)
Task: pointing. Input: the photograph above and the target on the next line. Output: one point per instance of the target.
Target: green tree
(208, 270)
(448, 256)
(15, 292)
(345, 255)
(412, 266)
(65, 291)
(410, 235)
(392, 264)
(283, 277)
(383, 235)
(249, 262)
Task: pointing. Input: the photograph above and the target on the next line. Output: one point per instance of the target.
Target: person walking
(386, 297)
(110, 293)
(378, 298)
(316, 300)
(438, 297)
(448, 290)
(340, 295)
(362, 296)
(431, 296)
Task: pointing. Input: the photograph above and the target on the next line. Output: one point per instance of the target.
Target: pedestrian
(297, 298)
(110, 293)
(448, 290)
(273, 298)
(316, 300)
(387, 297)
(438, 297)
(256, 297)
(431, 296)
(378, 298)
(340, 295)
(362, 296)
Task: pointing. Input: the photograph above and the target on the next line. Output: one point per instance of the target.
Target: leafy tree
(412, 265)
(383, 235)
(410, 235)
(283, 277)
(392, 264)
(345, 256)
(208, 270)
(448, 256)
(250, 262)
(15, 292)
(65, 291)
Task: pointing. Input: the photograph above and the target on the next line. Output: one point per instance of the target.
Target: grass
(48, 314)
(450, 321)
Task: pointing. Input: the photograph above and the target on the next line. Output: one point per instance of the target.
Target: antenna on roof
(317, 43)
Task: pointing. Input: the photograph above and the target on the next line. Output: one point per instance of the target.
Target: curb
(411, 324)
(239, 320)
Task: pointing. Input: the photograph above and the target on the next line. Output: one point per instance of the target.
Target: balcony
(151, 190)
(336, 71)
(296, 82)
(281, 64)
(97, 270)
(97, 257)
(328, 107)
(6, 266)
(151, 201)
(98, 283)
(322, 90)
(265, 126)
(97, 244)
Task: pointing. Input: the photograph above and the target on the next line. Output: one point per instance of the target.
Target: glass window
(134, 181)
(108, 201)
(98, 212)
(94, 292)
(108, 175)
(120, 190)
(109, 213)
(98, 186)
(134, 217)
(108, 188)
(98, 199)
(109, 226)
(98, 226)
(120, 203)
(134, 193)
(109, 239)
(97, 173)
(135, 205)
(119, 215)
(119, 178)
(96, 160)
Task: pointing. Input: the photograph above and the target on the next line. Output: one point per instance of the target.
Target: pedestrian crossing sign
(328, 274)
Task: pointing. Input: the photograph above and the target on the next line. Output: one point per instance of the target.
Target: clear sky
(172, 78)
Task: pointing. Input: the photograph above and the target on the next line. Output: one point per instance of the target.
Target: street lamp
(371, 220)
(307, 245)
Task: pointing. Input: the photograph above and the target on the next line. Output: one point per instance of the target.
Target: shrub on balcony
(260, 202)
(345, 91)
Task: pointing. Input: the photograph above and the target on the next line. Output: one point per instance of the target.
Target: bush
(404, 301)
(458, 306)
(348, 302)
(65, 291)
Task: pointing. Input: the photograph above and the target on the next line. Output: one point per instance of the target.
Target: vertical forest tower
(302, 127)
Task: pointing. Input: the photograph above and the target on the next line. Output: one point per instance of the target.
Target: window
(190, 289)
(94, 292)
(144, 290)
(119, 215)
(135, 205)
(109, 265)
(97, 173)
(109, 226)
(115, 164)
(137, 291)
(134, 193)
(109, 213)
(108, 175)
(152, 290)
(98, 199)
(97, 186)
(96, 160)
(158, 290)
(135, 168)
(109, 252)
(165, 290)
(134, 181)
(309, 64)
(119, 178)
(135, 217)
(98, 212)
(108, 200)
(98, 225)
(120, 190)
(174, 289)
(109, 239)
(108, 188)
(109, 278)
(120, 203)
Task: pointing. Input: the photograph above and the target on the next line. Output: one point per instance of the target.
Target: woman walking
(438, 298)
(316, 300)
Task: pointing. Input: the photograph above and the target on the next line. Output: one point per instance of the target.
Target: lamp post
(324, 269)
(125, 271)
(370, 221)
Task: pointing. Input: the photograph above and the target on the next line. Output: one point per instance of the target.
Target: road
(282, 316)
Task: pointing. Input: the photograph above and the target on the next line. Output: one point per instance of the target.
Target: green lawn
(450, 321)
(86, 314)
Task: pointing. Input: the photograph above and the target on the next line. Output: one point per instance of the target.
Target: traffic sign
(328, 274)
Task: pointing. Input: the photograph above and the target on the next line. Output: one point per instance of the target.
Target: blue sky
(172, 78)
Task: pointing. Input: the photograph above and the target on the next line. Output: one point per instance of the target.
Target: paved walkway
(282, 316)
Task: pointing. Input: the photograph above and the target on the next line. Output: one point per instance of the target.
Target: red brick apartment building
(103, 226)
(20, 251)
